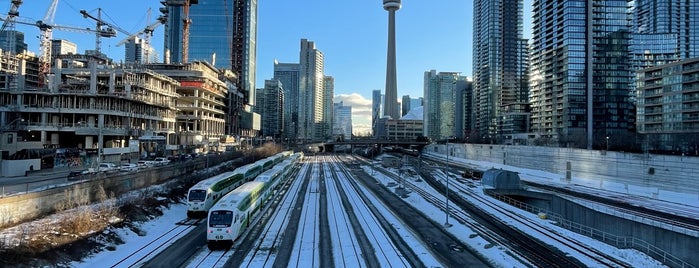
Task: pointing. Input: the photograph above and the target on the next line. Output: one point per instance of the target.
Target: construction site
(64, 109)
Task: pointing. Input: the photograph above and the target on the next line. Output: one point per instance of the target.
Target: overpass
(376, 143)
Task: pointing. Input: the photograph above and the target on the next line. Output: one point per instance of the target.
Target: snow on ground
(634, 257)
(150, 230)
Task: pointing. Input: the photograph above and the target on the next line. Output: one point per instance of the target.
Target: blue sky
(351, 34)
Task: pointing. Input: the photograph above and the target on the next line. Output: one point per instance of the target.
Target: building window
(10, 138)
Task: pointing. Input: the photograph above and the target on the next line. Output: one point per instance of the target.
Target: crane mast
(185, 32)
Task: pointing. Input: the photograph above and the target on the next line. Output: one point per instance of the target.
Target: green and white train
(231, 215)
(206, 193)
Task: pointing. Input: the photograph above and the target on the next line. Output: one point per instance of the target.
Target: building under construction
(106, 113)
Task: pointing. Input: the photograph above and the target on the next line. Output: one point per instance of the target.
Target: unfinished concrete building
(201, 118)
(89, 112)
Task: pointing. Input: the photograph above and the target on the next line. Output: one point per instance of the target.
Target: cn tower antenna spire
(391, 94)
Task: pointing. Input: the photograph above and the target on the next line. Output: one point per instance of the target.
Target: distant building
(668, 107)
(326, 124)
(440, 117)
(376, 110)
(408, 103)
(13, 38)
(62, 47)
(311, 96)
(135, 51)
(271, 108)
(407, 128)
(342, 121)
(289, 74)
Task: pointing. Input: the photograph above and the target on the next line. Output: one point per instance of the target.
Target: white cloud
(361, 112)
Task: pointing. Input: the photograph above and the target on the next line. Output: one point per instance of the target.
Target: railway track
(388, 248)
(153, 247)
(532, 249)
(264, 251)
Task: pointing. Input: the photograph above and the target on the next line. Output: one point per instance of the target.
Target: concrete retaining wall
(23, 207)
(650, 175)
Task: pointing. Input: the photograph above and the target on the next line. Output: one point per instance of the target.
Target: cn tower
(390, 106)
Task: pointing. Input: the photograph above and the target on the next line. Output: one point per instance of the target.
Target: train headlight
(228, 231)
(211, 231)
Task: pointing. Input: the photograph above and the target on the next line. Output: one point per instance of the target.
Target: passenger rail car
(204, 194)
(231, 215)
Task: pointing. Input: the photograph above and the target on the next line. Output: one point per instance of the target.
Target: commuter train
(231, 215)
(205, 193)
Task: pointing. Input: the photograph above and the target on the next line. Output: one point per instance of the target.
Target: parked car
(144, 164)
(106, 167)
(128, 167)
(161, 161)
(77, 175)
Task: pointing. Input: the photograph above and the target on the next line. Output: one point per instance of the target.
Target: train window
(220, 218)
(197, 195)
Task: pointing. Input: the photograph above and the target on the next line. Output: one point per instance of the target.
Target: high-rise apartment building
(289, 74)
(663, 31)
(326, 125)
(498, 58)
(342, 121)
(579, 71)
(311, 96)
(62, 47)
(440, 106)
(270, 106)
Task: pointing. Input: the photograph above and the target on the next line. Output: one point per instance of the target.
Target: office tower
(440, 106)
(289, 75)
(497, 61)
(342, 121)
(223, 33)
(310, 91)
(391, 96)
(376, 109)
(579, 81)
(326, 126)
(270, 106)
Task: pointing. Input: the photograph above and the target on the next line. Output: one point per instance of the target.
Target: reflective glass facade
(499, 61)
(563, 71)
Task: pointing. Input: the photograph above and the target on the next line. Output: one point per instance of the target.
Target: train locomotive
(229, 217)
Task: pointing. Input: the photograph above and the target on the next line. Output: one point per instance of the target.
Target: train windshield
(220, 218)
(197, 195)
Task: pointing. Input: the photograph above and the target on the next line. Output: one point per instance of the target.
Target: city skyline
(344, 43)
(428, 37)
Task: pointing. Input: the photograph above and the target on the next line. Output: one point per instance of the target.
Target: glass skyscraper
(580, 71)
(499, 61)
(289, 75)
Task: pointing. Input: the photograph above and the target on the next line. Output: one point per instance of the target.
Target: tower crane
(186, 21)
(8, 26)
(147, 33)
(101, 23)
(47, 26)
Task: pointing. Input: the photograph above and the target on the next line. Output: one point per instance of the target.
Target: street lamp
(607, 143)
